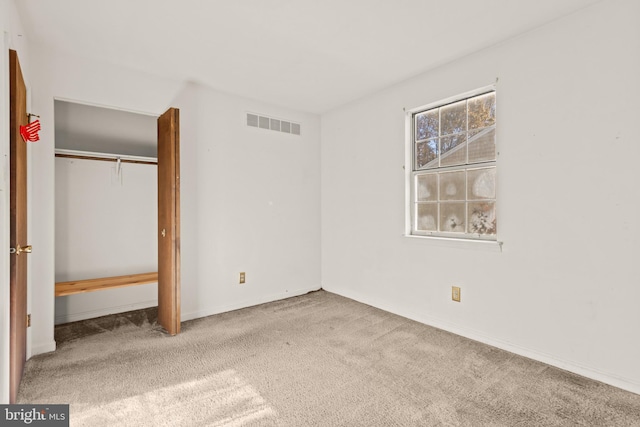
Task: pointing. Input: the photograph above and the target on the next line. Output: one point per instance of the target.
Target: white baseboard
(576, 368)
(74, 317)
(210, 311)
(40, 348)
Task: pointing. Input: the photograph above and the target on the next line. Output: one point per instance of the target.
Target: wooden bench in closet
(91, 285)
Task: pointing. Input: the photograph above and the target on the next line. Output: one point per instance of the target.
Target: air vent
(252, 120)
(264, 122)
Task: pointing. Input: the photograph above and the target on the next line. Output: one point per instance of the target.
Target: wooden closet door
(18, 230)
(169, 221)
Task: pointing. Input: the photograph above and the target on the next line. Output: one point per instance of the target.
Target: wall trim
(585, 371)
(247, 303)
(74, 317)
(41, 348)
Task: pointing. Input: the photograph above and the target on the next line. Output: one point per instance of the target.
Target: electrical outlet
(242, 278)
(455, 293)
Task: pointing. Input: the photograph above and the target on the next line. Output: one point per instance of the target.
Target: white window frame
(410, 173)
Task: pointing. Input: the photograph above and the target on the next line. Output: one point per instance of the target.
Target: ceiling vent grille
(265, 122)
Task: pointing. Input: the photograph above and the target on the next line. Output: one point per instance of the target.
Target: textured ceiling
(309, 55)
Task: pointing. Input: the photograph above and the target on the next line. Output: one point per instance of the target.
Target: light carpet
(314, 360)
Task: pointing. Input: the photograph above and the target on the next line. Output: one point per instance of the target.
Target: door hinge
(28, 320)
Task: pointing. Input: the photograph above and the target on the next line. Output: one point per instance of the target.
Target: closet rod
(105, 157)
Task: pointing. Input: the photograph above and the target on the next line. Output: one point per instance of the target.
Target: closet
(106, 215)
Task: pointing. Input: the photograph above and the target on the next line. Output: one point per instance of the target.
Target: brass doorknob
(26, 249)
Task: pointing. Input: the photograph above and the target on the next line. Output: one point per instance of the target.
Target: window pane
(452, 217)
(427, 217)
(453, 118)
(482, 145)
(427, 187)
(427, 125)
(481, 184)
(482, 111)
(454, 171)
(482, 217)
(427, 154)
(454, 150)
(452, 186)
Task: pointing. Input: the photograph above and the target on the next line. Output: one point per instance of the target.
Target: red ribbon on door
(29, 132)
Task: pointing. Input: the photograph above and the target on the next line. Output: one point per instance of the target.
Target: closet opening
(106, 211)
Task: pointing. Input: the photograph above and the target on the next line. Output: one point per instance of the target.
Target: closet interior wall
(105, 225)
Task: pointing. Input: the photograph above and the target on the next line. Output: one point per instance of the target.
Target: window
(453, 173)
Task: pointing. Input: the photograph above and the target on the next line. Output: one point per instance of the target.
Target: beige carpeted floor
(314, 360)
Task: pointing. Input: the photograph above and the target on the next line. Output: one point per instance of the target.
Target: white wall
(11, 33)
(105, 225)
(249, 197)
(564, 289)
(250, 202)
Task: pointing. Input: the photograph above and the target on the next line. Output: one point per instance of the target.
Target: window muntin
(453, 176)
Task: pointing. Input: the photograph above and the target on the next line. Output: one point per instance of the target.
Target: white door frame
(4, 222)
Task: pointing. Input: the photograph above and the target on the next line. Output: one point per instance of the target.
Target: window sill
(452, 242)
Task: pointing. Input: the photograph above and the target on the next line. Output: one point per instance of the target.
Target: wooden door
(169, 221)
(18, 220)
